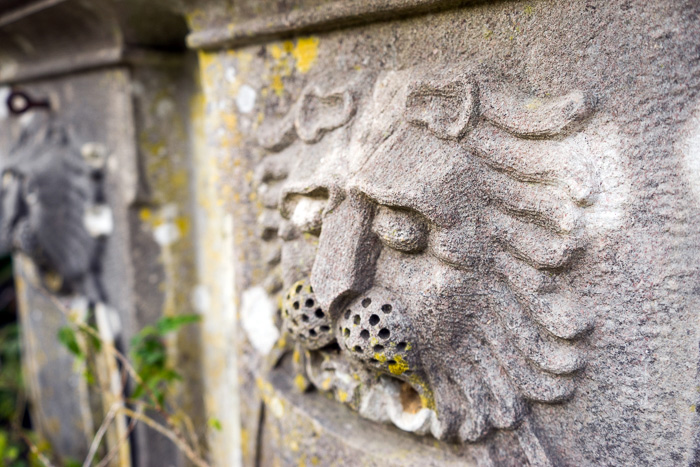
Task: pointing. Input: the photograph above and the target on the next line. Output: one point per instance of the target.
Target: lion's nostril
(384, 339)
(304, 319)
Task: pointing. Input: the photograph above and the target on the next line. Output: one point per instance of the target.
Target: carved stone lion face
(426, 241)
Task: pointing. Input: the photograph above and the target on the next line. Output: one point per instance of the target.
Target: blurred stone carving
(52, 209)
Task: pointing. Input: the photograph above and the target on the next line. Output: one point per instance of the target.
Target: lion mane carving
(420, 236)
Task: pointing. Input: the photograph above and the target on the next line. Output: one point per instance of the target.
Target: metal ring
(19, 102)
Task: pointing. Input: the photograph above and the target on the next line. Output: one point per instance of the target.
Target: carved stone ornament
(52, 207)
(427, 230)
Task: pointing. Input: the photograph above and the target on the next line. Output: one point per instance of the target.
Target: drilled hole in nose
(346, 332)
(357, 348)
(305, 318)
(364, 334)
(311, 289)
(325, 328)
(312, 333)
(386, 308)
(374, 320)
(356, 319)
(319, 313)
(309, 303)
(366, 302)
(391, 362)
(296, 305)
(347, 314)
(384, 333)
(298, 289)
(378, 348)
(402, 346)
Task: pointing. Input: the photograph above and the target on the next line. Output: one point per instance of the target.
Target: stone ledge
(336, 14)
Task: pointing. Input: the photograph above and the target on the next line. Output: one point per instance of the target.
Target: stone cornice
(331, 15)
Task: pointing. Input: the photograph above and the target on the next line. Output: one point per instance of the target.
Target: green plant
(152, 374)
(150, 359)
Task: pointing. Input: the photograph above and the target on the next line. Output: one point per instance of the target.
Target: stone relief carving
(53, 208)
(419, 227)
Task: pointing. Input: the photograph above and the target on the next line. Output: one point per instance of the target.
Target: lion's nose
(347, 253)
(375, 330)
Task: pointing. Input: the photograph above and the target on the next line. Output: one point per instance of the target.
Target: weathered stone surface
(488, 209)
(420, 232)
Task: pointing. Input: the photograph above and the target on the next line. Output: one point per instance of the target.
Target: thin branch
(168, 433)
(35, 450)
(191, 432)
(100, 434)
(115, 450)
(20, 407)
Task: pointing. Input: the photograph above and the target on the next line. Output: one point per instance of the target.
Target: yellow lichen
(326, 384)
(305, 53)
(533, 104)
(400, 367)
(145, 214)
(183, 224)
(300, 382)
(277, 85)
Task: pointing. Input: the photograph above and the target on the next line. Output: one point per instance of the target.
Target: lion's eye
(307, 213)
(400, 229)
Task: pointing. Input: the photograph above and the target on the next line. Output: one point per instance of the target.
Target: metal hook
(19, 102)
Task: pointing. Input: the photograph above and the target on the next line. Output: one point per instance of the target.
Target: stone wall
(418, 232)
